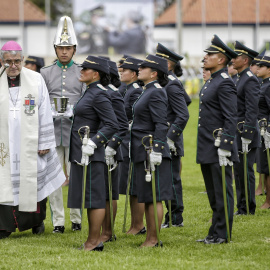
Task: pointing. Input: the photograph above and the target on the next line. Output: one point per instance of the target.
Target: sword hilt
(262, 124)
(238, 128)
(148, 149)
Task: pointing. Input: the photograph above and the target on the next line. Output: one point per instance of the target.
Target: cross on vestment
(16, 162)
(14, 111)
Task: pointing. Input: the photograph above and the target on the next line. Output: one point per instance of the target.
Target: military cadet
(150, 117)
(34, 63)
(248, 139)
(129, 76)
(177, 117)
(264, 113)
(62, 80)
(218, 109)
(94, 109)
(113, 152)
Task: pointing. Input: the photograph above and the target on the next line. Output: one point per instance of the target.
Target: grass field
(248, 250)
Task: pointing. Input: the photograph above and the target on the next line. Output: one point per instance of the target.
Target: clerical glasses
(16, 62)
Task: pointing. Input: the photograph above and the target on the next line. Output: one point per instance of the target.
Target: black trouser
(213, 181)
(240, 185)
(177, 202)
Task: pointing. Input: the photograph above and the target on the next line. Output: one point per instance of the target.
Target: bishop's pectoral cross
(14, 111)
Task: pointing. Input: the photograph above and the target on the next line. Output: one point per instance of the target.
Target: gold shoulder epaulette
(101, 87)
(135, 85)
(157, 85)
(224, 75)
(171, 77)
(249, 73)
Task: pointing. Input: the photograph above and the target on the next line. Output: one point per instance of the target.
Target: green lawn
(248, 250)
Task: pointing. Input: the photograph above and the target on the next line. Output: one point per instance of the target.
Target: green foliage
(248, 249)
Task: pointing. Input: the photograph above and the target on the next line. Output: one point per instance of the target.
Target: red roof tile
(243, 12)
(9, 11)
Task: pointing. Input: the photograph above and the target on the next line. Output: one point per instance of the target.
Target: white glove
(85, 160)
(89, 148)
(130, 125)
(267, 140)
(245, 143)
(171, 145)
(54, 112)
(222, 156)
(155, 159)
(109, 155)
(69, 111)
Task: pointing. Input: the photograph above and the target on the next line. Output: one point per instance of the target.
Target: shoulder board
(249, 73)
(101, 86)
(171, 77)
(157, 85)
(135, 85)
(49, 65)
(113, 87)
(224, 75)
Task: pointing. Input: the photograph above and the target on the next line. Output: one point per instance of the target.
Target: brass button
(199, 125)
(98, 136)
(231, 142)
(156, 145)
(246, 130)
(65, 66)
(62, 67)
(64, 90)
(251, 131)
(200, 110)
(64, 70)
(173, 131)
(118, 142)
(64, 76)
(113, 139)
(64, 83)
(201, 94)
(178, 134)
(201, 102)
(225, 141)
(199, 117)
(102, 141)
(162, 147)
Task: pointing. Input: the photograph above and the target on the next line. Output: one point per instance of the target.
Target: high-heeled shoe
(99, 247)
(142, 231)
(111, 239)
(161, 244)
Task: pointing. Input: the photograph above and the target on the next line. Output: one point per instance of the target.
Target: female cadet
(113, 152)
(150, 118)
(129, 76)
(93, 108)
(177, 117)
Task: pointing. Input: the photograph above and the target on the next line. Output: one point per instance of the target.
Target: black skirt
(262, 164)
(164, 181)
(95, 195)
(115, 182)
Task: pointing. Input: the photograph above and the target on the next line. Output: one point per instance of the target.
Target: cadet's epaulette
(113, 87)
(171, 77)
(49, 65)
(157, 85)
(135, 85)
(249, 73)
(101, 86)
(224, 75)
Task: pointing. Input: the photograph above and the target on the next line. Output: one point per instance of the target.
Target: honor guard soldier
(218, 112)
(62, 80)
(113, 153)
(177, 117)
(129, 76)
(94, 110)
(263, 117)
(248, 139)
(152, 153)
(34, 63)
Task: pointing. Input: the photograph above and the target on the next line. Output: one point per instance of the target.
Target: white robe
(49, 170)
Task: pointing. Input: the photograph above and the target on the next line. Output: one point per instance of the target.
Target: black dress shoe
(4, 234)
(39, 229)
(59, 229)
(216, 240)
(207, 238)
(161, 244)
(76, 227)
(142, 231)
(99, 247)
(110, 239)
(239, 213)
